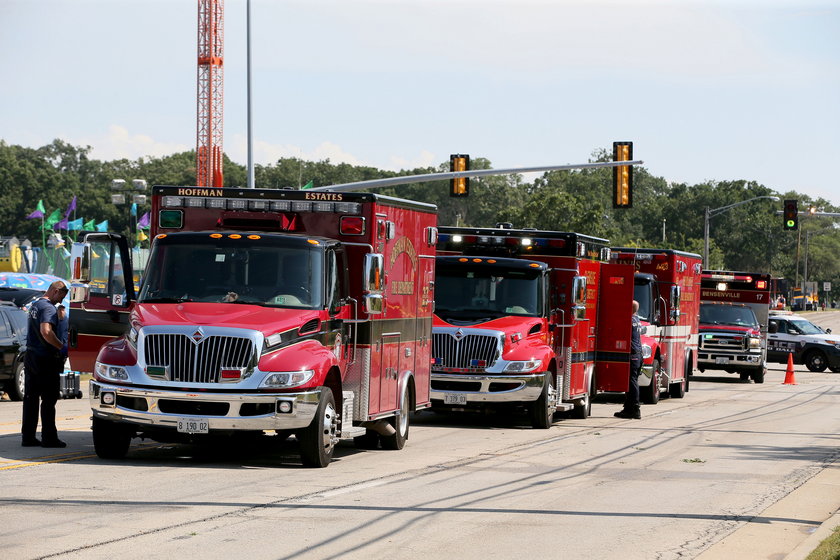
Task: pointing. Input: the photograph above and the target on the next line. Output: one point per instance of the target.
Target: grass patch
(695, 460)
(829, 549)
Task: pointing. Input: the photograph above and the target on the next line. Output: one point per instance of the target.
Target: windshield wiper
(166, 300)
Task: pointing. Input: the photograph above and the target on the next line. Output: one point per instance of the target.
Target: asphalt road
(691, 478)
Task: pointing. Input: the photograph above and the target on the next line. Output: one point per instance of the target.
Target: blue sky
(706, 90)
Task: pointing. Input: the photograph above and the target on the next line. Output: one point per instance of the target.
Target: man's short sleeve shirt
(41, 311)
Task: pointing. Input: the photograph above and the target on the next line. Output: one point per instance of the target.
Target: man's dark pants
(631, 399)
(41, 384)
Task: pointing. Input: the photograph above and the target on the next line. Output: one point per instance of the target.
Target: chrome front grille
(459, 351)
(201, 362)
(723, 341)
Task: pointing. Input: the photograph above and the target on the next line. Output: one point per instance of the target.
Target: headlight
(755, 343)
(646, 352)
(522, 366)
(277, 379)
(116, 373)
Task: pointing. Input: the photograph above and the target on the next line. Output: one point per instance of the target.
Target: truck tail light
(352, 225)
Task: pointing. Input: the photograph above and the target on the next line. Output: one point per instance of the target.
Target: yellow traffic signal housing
(623, 175)
(791, 215)
(460, 186)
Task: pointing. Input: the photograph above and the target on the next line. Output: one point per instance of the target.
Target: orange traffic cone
(789, 378)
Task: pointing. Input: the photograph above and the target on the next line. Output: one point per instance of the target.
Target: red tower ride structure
(208, 152)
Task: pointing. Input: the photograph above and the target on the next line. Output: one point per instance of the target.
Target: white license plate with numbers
(721, 360)
(193, 425)
(454, 398)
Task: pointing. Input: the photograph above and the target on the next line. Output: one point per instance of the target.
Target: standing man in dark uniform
(632, 408)
(44, 353)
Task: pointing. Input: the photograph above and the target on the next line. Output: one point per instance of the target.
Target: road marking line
(36, 463)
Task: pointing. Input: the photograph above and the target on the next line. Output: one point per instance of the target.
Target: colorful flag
(71, 207)
(102, 226)
(141, 236)
(75, 225)
(308, 185)
(39, 211)
(144, 222)
(54, 218)
(134, 209)
(58, 226)
(89, 226)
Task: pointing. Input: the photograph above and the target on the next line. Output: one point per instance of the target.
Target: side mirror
(827, 331)
(579, 297)
(675, 303)
(773, 328)
(374, 280)
(374, 304)
(79, 293)
(373, 283)
(80, 259)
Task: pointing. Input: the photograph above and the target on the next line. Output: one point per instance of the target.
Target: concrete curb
(812, 542)
(794, 533)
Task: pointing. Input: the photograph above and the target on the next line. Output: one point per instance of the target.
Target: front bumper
(716, 359)
(156, 408)
(450, 388)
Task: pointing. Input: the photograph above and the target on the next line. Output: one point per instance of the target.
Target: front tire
(650, 394)
(815, 361)
(758, 375)
(542, 411)
(16, 384)
(110, 439)
(397, 440)
(583, 408)
(317, 441)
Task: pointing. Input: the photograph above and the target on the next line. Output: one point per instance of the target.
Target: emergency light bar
(252, 205)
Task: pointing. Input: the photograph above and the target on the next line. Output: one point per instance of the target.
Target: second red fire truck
(667, 287)
(526, 318)
(289, 311)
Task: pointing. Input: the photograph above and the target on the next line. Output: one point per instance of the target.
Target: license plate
(193, 425)
(454, 398)
(722, 360)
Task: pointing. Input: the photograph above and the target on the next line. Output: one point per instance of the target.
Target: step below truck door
(612, 356)
(102, 295)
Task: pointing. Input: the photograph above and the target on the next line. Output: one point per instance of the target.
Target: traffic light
(791, 215)
(461, 186)
(623, 175)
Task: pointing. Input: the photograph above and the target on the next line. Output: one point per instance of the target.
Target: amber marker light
(254, 237)
(160, 236)
(215, 235)
(235, 236)
(313, 241)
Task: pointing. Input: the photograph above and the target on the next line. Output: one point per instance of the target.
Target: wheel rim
(21, 381)
(402, 420)
(817, 361)
(551, 397)
(330, 428)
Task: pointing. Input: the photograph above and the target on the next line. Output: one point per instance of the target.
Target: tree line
(664, 215)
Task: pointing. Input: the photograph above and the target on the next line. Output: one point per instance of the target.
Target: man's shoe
(53, 443)
(635, 415)
(34, 442)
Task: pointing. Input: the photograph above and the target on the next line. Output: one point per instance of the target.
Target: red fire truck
(667, 287)
(527, 318)
(294, 311)
(734, 313)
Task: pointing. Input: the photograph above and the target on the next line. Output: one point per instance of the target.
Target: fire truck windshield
(476, 292)
(732, 315)
(265, 271)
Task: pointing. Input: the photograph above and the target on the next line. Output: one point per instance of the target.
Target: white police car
(818, 349)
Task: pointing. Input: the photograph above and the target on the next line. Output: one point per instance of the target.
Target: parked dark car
(22, 297)
(12, 347)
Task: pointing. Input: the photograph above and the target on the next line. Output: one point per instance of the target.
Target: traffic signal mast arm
(407, 179)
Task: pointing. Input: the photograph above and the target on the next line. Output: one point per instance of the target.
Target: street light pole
(708, 214)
